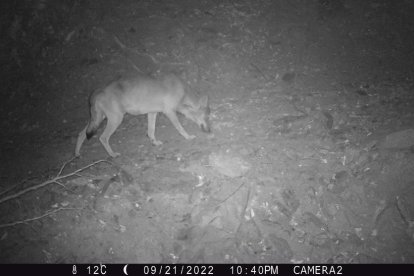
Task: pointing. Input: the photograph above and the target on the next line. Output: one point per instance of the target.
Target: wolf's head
(198, 112)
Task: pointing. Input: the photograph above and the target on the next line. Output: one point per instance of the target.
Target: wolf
(143, 95)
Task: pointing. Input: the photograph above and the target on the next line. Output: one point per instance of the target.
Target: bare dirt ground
(310, 159)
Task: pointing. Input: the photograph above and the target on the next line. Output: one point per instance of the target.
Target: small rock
(231, 166)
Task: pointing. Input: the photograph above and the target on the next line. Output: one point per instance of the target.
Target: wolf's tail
(96, 116)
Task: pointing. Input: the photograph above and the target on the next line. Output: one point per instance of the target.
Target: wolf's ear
(204, 101)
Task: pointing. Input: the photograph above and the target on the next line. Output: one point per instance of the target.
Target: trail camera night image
(207, 132)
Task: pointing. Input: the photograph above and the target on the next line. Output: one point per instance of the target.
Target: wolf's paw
(115, 154)
(156, 142)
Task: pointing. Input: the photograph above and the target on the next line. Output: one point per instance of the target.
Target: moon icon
(125, 269)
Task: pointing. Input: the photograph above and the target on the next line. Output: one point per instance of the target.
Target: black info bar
(205, 269)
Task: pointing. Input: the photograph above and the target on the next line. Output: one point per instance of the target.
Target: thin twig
(125, 48)
(54, 180)
(122, 45)
(64, 165)
(243, 212)
(135, 67)
(230, 195)
(60, 184)
(35, 218)
(148, 55)
(260, 71)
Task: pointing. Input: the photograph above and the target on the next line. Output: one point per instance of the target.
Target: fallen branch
(35, 218)
(53, 180)
(243, 212)
(16, 185)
